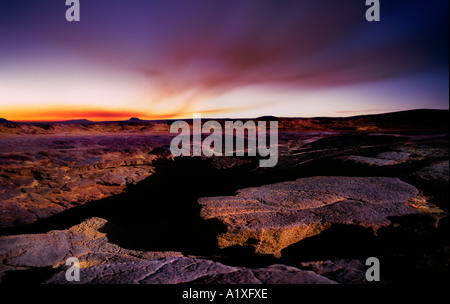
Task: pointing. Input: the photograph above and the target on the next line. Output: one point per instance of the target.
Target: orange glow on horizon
(53, 113)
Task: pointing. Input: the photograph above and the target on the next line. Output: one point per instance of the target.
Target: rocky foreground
(42, 176)
(112, 196)
(272, 217)
(107, 263)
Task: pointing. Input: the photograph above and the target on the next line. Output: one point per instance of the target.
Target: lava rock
(272, 217)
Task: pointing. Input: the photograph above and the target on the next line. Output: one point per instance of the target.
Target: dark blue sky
(162, 58)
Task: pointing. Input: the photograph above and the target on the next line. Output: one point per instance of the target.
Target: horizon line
(222, 118)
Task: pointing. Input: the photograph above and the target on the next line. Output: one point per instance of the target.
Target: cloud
(297, 45)
(188, 53)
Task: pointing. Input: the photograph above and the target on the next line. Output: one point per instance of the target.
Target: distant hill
(268, 118)
(419, 114)
(4, 120)
(76, 121)
(412, 119)
(421, 120)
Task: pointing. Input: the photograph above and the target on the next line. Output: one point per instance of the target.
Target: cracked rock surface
(189, 270)
(83, 241)
(41, 176)
(272, 217)
(347, 271)
(102, 262)
(342, 190)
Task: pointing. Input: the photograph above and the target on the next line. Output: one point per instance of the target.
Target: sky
(158, 59)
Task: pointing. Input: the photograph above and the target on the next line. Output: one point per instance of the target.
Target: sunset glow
(169, 59)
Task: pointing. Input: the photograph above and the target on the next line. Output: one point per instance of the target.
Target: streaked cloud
(171, 58)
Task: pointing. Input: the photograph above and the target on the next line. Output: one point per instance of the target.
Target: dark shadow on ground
(411, 249)
(161, 213)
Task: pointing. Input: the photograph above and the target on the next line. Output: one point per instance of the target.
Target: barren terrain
(112, 195)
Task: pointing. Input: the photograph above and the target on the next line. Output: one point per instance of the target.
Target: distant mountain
(414, 119)
(421, 120)
(76, 121)
(268, 118)
(417, 114)
(3, 120)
